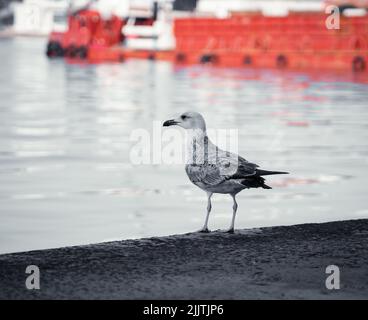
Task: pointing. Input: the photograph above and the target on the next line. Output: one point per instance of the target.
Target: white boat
(155, 35)
(39, 17)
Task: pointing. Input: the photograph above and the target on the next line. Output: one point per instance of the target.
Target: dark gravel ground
(267, 263)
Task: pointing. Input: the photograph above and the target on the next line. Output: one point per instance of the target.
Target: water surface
(65, 172)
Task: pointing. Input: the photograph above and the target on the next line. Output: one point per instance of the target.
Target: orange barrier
(85, 28)
(299, 40)
(98, 54)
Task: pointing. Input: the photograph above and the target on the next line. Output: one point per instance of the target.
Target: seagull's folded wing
(224, 166)
(239, 168)
(208, 174)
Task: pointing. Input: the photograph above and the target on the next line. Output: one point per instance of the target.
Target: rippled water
(65, 171)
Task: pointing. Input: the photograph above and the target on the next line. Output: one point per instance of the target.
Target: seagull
(214, 170)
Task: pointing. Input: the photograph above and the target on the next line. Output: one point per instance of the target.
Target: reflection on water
(65, 172)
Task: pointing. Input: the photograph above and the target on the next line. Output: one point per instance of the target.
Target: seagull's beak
(168, 123)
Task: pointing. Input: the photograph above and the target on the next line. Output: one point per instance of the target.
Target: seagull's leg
(235, 207)
(209, 207)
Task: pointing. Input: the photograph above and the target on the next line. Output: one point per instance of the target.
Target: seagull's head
(188, 120)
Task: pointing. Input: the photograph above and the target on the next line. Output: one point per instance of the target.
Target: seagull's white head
(188, 120)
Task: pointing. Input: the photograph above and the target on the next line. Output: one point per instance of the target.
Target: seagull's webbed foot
(204, 230)
(231, 230)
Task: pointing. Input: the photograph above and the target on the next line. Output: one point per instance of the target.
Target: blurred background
(78, 77)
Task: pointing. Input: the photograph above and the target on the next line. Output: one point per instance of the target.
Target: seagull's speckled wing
(208, 174)
(245, 169)
(225, 166)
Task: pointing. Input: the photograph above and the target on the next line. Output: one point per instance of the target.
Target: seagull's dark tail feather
(255, 182)
(268, 173)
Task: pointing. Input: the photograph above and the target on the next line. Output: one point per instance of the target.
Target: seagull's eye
(183, 117)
